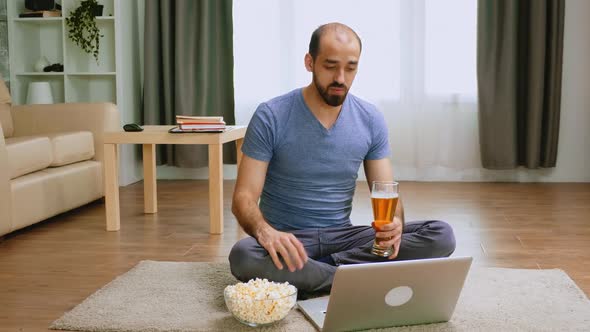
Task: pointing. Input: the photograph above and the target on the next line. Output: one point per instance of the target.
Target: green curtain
(519, 68)
(188, 70)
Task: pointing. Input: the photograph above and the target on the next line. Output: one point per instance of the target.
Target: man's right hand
(285, 244)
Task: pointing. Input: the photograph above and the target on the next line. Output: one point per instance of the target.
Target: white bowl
(256, 313)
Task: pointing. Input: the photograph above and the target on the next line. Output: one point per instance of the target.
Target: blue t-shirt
(312, 171)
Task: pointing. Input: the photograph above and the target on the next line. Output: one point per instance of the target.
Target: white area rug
(173, 296)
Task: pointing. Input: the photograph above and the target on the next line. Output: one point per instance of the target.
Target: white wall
(573, 162)
(129, 49)
(574, 141)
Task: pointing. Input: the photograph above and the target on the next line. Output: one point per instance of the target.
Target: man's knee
(444, 244)
(242, 260)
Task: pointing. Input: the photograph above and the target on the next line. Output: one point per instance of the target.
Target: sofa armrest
(5, 193)
(51, 118)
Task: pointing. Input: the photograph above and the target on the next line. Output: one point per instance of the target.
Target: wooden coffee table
(151, 136)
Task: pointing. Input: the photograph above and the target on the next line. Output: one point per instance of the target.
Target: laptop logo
(398, 296)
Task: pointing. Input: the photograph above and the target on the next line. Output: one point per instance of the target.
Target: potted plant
(82, 28)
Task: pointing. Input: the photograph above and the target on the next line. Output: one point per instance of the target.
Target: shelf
(33, 73)
(43, 20)
(77, 61)
(40, 74)
(70, 5)
(21, 86)
(95, 88)
(84, 79)
(33, 41)
(38, 20)
(112, 73)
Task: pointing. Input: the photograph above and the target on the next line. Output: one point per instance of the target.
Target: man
(302, 152)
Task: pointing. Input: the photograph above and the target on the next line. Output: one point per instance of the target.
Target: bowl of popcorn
(260, 302)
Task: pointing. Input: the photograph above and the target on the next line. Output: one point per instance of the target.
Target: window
(450, 47)
(411, 48)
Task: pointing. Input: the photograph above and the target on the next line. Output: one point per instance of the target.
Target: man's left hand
(393, 231)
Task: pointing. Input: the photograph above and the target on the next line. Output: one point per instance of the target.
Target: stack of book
(200, 123)
(40, 13)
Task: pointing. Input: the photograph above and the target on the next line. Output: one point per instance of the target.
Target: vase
(41, 63)
(97, 10)
(39, 93)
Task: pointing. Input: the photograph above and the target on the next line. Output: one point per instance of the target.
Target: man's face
(335, 66)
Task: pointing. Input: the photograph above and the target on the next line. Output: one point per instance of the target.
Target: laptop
(375, 295)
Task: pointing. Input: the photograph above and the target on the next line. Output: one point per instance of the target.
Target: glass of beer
(384, 197)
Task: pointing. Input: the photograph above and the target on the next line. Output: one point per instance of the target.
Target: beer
(384, 197)
(384, 205)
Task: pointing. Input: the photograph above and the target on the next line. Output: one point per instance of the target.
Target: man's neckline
(313, 115)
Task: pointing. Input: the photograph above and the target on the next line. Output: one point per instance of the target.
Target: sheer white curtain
(417, 66)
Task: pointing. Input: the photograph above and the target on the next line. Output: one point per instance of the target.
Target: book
(201, 126)
(200, 123)
(199, 119)
(177, 130)
(40, 13)
(191, 122)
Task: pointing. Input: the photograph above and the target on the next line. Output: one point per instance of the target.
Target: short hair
(314, 43)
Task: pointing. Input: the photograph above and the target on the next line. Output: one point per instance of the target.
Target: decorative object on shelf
(82, 28)
(39, 5)
(41, 64)
(39, 93)
(41, 13)
(41, 8)
(56, 67)
(98, 10)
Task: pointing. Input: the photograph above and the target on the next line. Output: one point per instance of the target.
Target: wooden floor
(46, 269)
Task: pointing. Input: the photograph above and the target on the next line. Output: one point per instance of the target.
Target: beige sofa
(50, 158)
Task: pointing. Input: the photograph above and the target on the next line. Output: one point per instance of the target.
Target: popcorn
(260, 301)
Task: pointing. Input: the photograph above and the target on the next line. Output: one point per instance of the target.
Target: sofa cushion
(28, 154)
(54, 190)
(6, 120)
(71, 147)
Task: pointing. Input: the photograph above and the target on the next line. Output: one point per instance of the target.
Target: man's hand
(393, 231)
(285, 244)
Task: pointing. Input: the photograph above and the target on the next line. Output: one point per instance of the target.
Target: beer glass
(384, 197)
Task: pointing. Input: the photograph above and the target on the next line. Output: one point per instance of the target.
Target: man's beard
(332, 100)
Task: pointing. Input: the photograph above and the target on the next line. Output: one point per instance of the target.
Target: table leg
(215, 188)
(239, 143)
(111, 187)
(150, 192)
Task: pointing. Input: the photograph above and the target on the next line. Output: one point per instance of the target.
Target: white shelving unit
(116, 78)
(83, 79)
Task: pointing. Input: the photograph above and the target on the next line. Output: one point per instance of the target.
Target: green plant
(82, 28)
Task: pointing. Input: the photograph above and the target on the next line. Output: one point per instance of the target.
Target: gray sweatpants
(347, 245)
